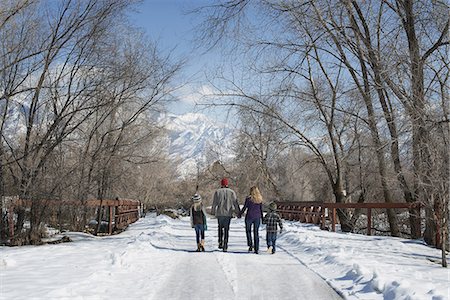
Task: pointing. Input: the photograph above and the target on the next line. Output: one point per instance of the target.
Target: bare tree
(364, 41)
(422, 47)
(262, 138)
(271, 105)
(52, 114)
(54, 70)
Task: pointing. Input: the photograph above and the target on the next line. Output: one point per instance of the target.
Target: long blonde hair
(255, 194)
(197, 206)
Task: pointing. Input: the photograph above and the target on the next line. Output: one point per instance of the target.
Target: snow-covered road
(236, 274)
(154, 259)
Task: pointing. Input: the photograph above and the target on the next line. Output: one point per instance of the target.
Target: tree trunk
(365, 91)
(344, 217)
(392, 217)
(445, 225)
(423, 165)
(99, 217)
(3, 223)
(374, 61)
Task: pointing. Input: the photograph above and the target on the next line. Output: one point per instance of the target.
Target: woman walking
(253, 205)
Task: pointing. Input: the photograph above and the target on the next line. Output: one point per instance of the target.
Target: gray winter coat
(224, 203)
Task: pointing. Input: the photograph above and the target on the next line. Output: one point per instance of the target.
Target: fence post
(316, 215)
(322, 214)
(369, 221)
(118, 217)
(110, 219)
(419, 211)
(333, 219)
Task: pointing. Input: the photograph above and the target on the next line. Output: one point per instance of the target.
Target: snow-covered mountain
(195, 141)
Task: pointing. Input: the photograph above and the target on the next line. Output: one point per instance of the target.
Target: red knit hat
(224, 182)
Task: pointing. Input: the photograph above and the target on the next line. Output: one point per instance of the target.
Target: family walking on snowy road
(225, 205)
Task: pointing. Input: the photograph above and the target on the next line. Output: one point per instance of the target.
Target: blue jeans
(224, 229)
(248, 232)
(199, 232)
(271, 239)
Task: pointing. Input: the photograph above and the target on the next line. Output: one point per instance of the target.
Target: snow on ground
(154, 259)
(369, 267)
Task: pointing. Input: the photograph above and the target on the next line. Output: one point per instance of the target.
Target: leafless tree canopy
(359, 88)
(78, 92)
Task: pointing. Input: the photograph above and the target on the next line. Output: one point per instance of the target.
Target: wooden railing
(121, 212)
(318, 212)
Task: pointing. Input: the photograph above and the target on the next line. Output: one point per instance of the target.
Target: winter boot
(202, 245)
(199, 247)
(270, 250)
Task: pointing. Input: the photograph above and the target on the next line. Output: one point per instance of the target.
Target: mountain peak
(194, 139)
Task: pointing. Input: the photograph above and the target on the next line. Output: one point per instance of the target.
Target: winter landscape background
(109, 109)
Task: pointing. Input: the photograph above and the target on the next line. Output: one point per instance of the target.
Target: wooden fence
(120, 213)
(318, 212)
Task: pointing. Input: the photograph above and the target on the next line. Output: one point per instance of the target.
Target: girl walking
(198, 221)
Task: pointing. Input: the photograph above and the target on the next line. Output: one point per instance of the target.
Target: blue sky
(169, 24)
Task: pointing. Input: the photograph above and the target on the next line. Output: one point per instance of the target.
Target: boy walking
(272, 219)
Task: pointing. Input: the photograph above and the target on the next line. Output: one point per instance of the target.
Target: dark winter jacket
(225, 203)
(198, 217)
(271, 219)
(254, 210)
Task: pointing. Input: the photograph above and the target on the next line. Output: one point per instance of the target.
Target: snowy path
(236, 274)
(153, 259)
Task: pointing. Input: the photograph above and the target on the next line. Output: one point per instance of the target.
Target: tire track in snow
(229, 268)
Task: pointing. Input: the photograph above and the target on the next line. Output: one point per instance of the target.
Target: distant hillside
(196, 140)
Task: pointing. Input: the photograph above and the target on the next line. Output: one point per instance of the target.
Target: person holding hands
(253, 205)
(224, 205)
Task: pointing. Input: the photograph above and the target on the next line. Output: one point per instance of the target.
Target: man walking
(224, 205)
